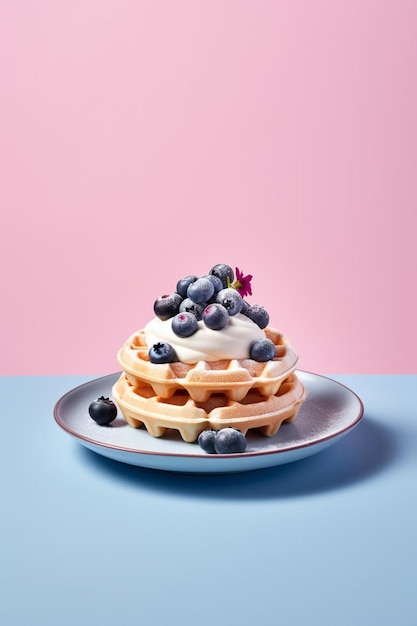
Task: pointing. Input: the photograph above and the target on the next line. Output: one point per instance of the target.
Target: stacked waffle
(191, 397)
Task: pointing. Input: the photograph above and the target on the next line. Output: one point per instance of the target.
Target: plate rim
(214, 457)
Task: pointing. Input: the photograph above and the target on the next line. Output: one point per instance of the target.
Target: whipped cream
(232, 342)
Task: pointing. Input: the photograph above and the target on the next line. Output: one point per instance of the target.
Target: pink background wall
(142, 141)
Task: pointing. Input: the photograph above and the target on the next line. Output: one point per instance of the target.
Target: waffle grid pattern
(242, 394)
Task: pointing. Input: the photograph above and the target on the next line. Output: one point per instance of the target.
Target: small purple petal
(244, 287)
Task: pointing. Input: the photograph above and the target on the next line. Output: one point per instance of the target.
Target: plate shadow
(367, 450)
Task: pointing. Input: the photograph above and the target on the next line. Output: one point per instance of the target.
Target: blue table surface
(328, 540)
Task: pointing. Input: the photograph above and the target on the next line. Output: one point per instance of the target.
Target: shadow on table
(369, 449)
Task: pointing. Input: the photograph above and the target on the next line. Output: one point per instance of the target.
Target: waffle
(234, 378)
(141, 405)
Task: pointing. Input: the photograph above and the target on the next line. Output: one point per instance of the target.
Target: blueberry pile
(223, 441)
(211, 298)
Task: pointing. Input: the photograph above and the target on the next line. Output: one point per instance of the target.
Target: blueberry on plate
(103, 411)
(206, 440)
(162, 352)
(229, 441)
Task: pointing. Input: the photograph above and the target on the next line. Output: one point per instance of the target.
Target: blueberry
(224, 272)
(206, 440)
(103, 411)
(258, 314)
(262, 350)
(215, 316)
(244, 308)
(184, 283)
(229, 441)
(162, 352)
(167, 306)
(200, 290)
(184, 324)
(192, 307)
(231, 300)
(217, 283)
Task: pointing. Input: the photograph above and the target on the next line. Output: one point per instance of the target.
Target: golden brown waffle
(234, 378)
(142, 406)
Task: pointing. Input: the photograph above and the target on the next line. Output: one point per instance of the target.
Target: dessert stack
(208, 360)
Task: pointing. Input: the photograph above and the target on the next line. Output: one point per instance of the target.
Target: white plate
(329, 412)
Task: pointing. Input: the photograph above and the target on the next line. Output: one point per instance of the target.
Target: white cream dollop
(232, 342)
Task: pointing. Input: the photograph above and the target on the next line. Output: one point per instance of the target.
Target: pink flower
(242, 283)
